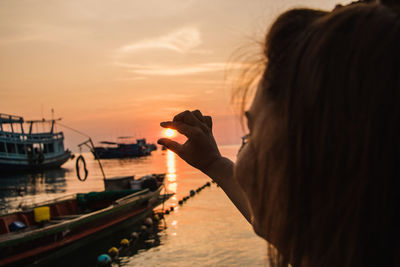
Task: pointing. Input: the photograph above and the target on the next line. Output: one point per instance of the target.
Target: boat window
(37, 148)
(29, 149)
(7, 127)
(2, 147)
(11, 148)
(21, 148)
(51, 148)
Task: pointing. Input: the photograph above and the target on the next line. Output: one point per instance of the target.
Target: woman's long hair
(334, 81)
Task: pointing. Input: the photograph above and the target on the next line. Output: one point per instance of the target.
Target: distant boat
(113, 150)
(29, 151)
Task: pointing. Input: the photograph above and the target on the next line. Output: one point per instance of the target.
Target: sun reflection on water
(171, 172)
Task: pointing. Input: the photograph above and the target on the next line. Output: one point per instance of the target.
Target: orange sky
(112, 68)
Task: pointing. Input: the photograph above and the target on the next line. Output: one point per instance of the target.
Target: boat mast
(52, 121)
(52, 126)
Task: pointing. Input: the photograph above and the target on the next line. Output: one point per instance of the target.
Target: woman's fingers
(171, 145)
(193, 118)
(187, 130)
(200, 149)
(187, 117)
(198, 115)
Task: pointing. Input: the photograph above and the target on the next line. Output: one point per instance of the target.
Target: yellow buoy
(113, 252)
(42, 214)
(124, 242)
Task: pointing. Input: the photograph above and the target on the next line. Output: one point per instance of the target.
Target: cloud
(177, 70)
(181, 41)
(184, 41)
(168, 70)
(136, 78)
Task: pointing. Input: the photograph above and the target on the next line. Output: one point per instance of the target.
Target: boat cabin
(20, 147)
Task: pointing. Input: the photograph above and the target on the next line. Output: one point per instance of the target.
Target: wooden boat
(22, 150)
(112, 150)
(129, 182)
(68, 223)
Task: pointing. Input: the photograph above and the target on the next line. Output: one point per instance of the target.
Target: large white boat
(30, 150)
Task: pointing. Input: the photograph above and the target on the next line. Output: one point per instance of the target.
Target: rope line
(72, 129)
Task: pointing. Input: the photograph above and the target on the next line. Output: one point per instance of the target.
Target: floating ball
(134, 235)
(148, 221)
(103, 260)
(171, 209)
(208, 184)
(192, 193)
(124, 242)
(180, 202)
(167, 212)
(113, 251)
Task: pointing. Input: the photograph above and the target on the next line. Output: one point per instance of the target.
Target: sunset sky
(119, 67)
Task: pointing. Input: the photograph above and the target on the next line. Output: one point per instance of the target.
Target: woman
(318, 175)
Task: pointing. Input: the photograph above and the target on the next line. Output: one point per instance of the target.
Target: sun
(169, 133)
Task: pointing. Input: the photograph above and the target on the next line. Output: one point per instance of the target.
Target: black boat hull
(8, 165)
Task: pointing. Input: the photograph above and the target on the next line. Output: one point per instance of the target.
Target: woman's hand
(200, 150)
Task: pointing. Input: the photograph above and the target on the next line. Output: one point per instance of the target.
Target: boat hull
(71, 234)
(92, 245)
(114, 153)
(8, 164)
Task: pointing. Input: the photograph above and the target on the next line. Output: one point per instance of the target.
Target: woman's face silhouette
(247, 164)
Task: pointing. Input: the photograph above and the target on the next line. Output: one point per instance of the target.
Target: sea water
(206, 231)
